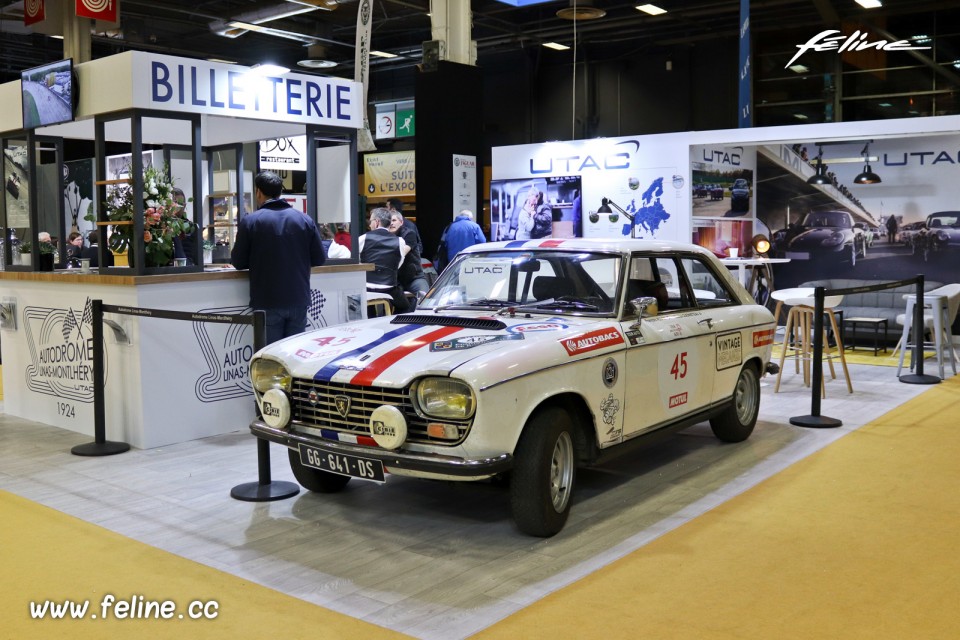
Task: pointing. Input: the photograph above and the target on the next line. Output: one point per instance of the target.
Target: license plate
(341, 463)
(798, 255)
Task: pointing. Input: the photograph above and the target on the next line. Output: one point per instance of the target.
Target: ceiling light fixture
(869, 4)
(280, 33)
(867, 176)
(556, 46)
(268, 69)
(652, 9)
(583, 10)
(820, 177)
(316, 63)
(798, 68)
(383, 54)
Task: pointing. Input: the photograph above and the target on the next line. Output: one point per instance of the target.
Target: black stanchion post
(815, 419)
(100, 446)
(264, 490)
(918, 330)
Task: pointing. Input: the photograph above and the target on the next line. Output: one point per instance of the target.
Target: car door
(669, 359)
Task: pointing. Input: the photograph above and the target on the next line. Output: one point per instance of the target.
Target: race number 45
(679, 368)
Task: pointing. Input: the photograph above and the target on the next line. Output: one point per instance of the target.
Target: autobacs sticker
(593, 340)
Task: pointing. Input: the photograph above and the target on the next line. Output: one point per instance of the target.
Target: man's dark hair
(269, 183)
(395, 204)
(93, 237)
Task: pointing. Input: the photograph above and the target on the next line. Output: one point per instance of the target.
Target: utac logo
(825, 41)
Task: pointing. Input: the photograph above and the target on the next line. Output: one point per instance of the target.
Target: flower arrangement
(163, 216)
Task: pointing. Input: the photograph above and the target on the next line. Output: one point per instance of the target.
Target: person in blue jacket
(463, 232)
(279, 245)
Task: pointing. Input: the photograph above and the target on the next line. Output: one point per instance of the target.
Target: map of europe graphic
(649, 216)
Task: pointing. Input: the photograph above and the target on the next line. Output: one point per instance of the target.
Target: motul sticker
(762, 338)
(677, 400)
(591, 341)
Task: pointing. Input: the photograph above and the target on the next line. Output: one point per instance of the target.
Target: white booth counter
(166, 381)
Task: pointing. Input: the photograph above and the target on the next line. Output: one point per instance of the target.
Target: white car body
(616, 381)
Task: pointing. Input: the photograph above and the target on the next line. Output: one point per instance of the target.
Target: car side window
(706, 288)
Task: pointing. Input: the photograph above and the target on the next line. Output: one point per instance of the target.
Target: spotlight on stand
(867, 176)
(761, 245)
(820, 177)
(605, 207)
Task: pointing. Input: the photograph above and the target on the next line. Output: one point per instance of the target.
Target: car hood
(815, 235)
(481, 348)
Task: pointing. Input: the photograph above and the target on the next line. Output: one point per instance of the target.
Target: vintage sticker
(469, 342)
(729, 350)
(592, 340)
(763, 338)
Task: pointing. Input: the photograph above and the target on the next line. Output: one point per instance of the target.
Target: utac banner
(98, 9)
(390, 174)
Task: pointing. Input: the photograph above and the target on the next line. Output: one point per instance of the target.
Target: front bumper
(420, 464)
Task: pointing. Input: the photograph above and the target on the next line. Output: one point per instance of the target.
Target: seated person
(93, 251)
(385, 251)
(74, 247)
(333, 249)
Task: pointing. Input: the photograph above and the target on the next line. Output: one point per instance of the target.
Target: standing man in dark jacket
(279, 245)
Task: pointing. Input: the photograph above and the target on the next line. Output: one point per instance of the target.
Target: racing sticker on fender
(729, 350)
(591, 341)
(469, 342)
(762, 338)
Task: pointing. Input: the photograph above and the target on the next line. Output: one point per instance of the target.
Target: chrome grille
(322, 412)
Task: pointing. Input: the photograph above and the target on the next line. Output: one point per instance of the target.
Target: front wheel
(315, 479)
(545, 466)
(737, 421)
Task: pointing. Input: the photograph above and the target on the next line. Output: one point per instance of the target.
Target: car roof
(617, 245)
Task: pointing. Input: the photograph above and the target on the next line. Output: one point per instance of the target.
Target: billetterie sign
(169, 83)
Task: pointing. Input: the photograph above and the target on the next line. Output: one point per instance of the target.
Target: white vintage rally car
(526, 360)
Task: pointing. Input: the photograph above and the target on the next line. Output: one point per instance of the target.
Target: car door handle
(709, 322)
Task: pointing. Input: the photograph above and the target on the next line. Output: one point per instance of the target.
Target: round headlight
(445, 398)
(269, 374)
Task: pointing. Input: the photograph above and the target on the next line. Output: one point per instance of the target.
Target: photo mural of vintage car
(526, 360)
(821, 235)
(940, 236)
(740, 195)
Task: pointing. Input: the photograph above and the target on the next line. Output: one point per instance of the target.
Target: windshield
(947, 219)
(552, 281)
(828, 219)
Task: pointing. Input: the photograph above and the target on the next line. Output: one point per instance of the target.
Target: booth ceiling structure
(291, 30)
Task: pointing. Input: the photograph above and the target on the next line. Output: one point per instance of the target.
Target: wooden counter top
(73, 276)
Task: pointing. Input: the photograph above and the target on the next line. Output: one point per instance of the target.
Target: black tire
(544, 474)
(853, 255)
(737, 421)
(315, 479)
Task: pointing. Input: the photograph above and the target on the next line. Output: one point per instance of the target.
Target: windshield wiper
(479, 302)
(562, 303)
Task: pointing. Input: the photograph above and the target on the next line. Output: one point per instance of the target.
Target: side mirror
(645, 306)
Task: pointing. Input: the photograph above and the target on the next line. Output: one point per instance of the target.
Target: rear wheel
(315, 479)
(737, 421)
(544, 472)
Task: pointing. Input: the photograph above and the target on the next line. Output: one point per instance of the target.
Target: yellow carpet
(865, 356)
(47, 555)
(857, 541)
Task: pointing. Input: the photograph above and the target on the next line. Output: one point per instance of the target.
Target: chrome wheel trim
(746, 397)
(561, 472)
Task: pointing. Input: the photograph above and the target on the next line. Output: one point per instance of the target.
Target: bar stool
(378, 305)
(798, 334)
(937, 321)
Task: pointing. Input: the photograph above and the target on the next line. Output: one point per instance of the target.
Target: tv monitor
(552, 201)
(49, 94)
